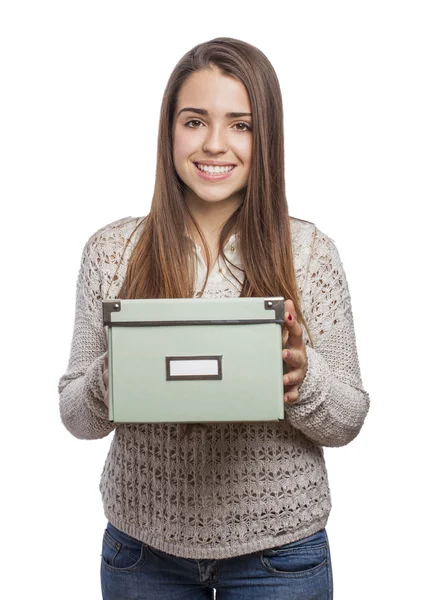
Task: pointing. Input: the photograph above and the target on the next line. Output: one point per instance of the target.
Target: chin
(219, 198)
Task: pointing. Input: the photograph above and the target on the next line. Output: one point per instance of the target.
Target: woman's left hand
(294, 353)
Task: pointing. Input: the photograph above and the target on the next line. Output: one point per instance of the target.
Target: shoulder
(116, 230)
(105, 247)
(114, 234)
(302, 234)
(306, 234)
(314, 251)
(299, 228)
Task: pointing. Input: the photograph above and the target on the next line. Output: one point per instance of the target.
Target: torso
(214, 255)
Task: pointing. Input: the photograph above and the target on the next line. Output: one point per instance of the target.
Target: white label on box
(193, 367)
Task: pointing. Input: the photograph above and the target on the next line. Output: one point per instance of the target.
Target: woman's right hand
(105, 378)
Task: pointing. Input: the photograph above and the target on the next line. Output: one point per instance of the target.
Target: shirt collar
(234, 238)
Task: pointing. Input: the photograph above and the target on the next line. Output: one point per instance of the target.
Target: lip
(215, 163)
(213, 176)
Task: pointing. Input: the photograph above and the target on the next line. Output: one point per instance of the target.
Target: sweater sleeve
(81, 388)
(332, 403)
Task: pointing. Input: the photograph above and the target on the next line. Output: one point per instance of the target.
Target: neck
(210, 216)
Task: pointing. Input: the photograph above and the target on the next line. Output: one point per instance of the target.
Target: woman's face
(208, 134)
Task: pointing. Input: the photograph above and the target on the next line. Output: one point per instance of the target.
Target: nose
(215, 140)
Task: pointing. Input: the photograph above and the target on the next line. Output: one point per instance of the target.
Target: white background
(81, 86)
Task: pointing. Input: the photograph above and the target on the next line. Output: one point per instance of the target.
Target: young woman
(236, 507)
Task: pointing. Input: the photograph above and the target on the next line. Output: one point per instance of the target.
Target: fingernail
(290, 317)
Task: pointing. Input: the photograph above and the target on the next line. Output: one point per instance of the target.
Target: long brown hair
(160, 265)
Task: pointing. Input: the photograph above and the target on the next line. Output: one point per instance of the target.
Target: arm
(81, 388)
(332, 403)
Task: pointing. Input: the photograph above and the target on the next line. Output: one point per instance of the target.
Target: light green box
(195, 359)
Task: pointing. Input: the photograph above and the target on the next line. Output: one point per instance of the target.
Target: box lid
(192, 311)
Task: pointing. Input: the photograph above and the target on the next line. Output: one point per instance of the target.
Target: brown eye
(192, 121)
(248, 127)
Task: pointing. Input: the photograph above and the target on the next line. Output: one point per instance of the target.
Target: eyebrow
(203, 111)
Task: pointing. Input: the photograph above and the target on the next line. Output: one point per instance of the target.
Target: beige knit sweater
(230, 488)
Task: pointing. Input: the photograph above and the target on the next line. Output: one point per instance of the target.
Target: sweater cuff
(310, 382)
(94, 381)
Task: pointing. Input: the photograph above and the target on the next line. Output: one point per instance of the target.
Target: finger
(285, 335)
(291, 378)
(295, 332)
(292, 395)
(290, 328)
(290, 307)
(292, 357)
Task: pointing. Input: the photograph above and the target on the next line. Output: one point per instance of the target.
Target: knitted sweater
(225, 489)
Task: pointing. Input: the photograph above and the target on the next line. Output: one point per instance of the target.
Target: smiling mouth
(214, 170)
(214, 175)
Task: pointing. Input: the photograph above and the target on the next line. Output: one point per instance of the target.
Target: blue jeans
(132, 570)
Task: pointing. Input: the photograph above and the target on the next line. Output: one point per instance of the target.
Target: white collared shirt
(219, 272)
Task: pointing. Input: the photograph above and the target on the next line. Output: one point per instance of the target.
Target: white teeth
(211, 169)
